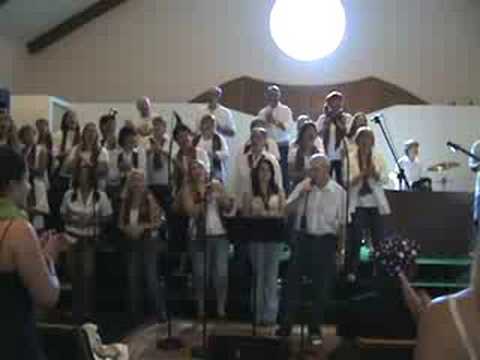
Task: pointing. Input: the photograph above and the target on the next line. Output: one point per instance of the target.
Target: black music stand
(259, 229)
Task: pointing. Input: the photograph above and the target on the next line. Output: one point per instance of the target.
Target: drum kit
(439, 171)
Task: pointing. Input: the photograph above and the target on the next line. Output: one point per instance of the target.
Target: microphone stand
(347, 201)
(303, 231)
(402, 178)
(201, 352)
(170, 342)
(455, 147)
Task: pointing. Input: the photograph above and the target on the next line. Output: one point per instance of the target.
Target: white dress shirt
(158, 176)
(348, 121)
(213, 221)
(113, 177)
(324, 208)
(127, 157)
(332, 153)
(413, 169)
(283, 114)
(223, 154)
(102, 208)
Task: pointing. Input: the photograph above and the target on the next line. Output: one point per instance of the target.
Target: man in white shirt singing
(280, 125)
(318, 204)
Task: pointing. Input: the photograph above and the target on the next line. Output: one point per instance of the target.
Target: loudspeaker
(4, 100)
(247, 348)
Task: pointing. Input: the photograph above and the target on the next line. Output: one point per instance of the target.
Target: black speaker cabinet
(247, 348)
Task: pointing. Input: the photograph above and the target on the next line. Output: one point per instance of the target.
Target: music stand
(259, 229)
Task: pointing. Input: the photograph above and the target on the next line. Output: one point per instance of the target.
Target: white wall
(174, 49)
(433, 126)
(25, 109)
(9, 52)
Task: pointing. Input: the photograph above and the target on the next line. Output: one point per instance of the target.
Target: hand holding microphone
(307, 186)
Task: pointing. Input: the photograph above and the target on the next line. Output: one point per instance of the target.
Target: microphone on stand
(113, 112)
(455, 147)
(377, 118)
(452, 146)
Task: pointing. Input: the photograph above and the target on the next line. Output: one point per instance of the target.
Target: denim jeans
(142, 273)
(82, 256)
(216, 248)
(265, 259)
(313, 257)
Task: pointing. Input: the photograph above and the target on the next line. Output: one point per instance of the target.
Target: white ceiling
(26, 19)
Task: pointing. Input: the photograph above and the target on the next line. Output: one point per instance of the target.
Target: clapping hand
(53, 244)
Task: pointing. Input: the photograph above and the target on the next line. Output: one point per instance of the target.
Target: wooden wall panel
(370, 94)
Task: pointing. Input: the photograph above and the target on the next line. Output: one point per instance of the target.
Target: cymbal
(443, 166)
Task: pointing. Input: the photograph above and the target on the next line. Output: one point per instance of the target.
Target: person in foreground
(318, 203)
(27, 272)
(449, 327)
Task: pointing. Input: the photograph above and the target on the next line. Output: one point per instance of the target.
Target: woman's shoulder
(18, 230)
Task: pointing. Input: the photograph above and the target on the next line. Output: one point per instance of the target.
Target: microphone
(452, 146)
(113, 112)
(303, 219)
(377, 118)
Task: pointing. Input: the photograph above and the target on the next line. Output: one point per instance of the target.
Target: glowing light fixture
(307, 30)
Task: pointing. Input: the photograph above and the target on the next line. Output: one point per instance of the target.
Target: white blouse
(102, 156)
(89, 209)
(158, 176)
(377, 198)
(242, 182)
(274, 204)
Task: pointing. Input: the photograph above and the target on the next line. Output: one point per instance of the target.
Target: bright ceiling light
(307, 30)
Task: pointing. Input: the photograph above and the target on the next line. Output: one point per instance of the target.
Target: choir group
(128, 183)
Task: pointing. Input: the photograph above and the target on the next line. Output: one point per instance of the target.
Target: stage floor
(142, 341)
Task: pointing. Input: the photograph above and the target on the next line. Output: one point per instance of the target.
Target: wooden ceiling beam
(71, 24)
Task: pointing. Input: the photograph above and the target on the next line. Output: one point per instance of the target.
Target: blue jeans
(265, 259)
(217, 268)
(142, 277)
